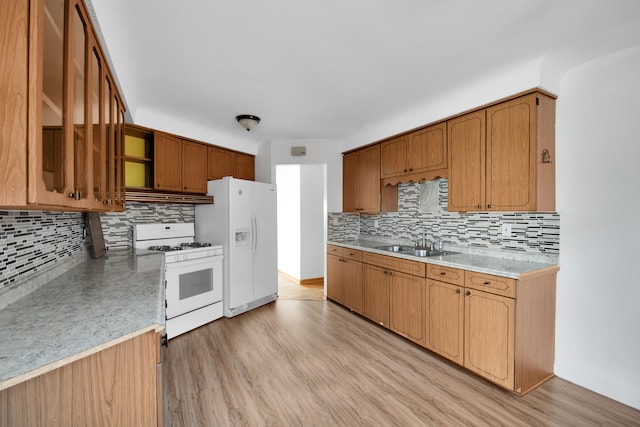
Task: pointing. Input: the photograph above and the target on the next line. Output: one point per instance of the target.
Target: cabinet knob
(489, 206)
(443, 273)
(457, 291)
(468, 293)
(405, 171)
(487, 283)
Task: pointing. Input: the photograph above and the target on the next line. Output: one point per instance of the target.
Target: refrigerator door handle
(254, 233)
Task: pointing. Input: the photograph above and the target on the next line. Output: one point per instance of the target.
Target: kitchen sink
(409, 250)
(395, 248)
(426, 253)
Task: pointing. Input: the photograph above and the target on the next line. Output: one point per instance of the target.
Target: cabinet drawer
(352, 254)
(490, 283)
(455, 276)
(414, 268)
(334, 250)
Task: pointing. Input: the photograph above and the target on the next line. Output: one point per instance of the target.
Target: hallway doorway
(302, 222)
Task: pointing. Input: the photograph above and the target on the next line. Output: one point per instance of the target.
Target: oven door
(192, 284)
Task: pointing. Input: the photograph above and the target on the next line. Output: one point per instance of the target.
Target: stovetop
(181, 247)
(177, 241)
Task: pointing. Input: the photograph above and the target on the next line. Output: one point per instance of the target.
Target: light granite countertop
(93, 305)
(504, 267)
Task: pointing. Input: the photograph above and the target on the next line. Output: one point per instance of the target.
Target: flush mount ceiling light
(248, 121)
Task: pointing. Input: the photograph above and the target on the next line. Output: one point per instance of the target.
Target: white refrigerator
(243, 220)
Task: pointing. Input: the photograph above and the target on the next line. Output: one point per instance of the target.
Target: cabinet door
(375, 294)
(511, 155)
(444, 317)
(334, 278)
(350, 182)
(167, 161)
(51, 180)
(466, 144)
(116, 386)
(352, 284)
(14, 45)
(220, 163)
(407, 299)
(244, 166)
(394, 157)
(369, 180)
(427, 149)
(194, 167)
(489, 324)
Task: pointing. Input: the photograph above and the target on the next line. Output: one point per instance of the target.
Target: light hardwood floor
(313, 363)
(288, 289)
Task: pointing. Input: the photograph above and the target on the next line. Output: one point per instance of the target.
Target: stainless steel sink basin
(426, 253)
(394, 248)
(409, 250)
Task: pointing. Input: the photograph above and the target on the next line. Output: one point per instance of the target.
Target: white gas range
(193, 274)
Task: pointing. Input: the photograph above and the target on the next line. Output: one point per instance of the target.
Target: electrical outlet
(506, 230)
(376, 224)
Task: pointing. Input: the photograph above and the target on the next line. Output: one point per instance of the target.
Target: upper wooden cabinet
(220, 163)
(164, 162)
(500, 158)
(467, 145)
(230, 163)
(194, 167)
(62, 134)
(361, 180)
(179, 165)
(167, 162)
(409, 157)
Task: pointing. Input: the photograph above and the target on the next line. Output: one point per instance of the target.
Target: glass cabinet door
(78, 104)
(52, 144)
(98, 149)
(80, 117)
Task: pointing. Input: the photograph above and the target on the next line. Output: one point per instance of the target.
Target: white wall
(312, 220)
(301, 220)
(288, 182)
(598, 198)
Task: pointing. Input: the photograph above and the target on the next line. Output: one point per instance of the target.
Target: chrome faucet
(422, 243)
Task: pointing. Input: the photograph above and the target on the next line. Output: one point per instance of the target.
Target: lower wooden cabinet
(117, 386)
(344, 277)
(500, 328)
(489, 322)
(375, 294)
(444, 320)
(406, 316)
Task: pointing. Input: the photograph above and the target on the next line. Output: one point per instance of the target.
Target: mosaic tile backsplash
(534, 235)
(34, 241)
(37, 246)
(117, 227)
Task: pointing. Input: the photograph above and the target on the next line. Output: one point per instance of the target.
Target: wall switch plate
(506, 230)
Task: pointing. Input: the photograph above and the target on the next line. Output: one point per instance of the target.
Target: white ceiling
(329, 68)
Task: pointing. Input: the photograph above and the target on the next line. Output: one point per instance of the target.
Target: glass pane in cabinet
(53, 150)
(78, 72)
(108, 138)
(96, 120)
